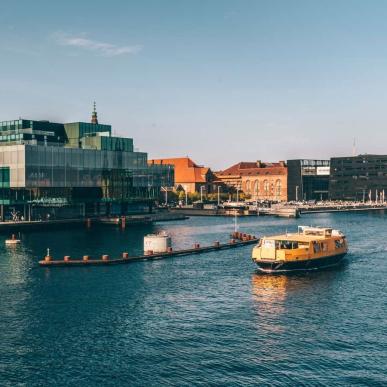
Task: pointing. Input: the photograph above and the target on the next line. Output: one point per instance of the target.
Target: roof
(186, 170)
(246, 168)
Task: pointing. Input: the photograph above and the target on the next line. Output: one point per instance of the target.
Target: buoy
(169, 250)
(66, 258)
(196, 246)
(125, 255)
(12, 241)
(105, 257)
(85, 258)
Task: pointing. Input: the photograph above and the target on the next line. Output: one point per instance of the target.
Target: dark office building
(308, 179)
(362, 178)
(77, 169)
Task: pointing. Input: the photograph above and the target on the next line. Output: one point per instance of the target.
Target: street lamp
(186, 196)
(201, 193)
(296, 193)
(166, 194)
(237, 197)
(219, 187)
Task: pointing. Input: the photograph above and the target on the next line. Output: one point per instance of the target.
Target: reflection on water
(269, 293)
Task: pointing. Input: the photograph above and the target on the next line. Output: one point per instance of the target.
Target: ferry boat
(310, 248)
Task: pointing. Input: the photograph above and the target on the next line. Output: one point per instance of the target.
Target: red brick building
(189, 176)
(261, 181)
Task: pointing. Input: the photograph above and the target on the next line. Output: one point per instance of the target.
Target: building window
(248, 186)
(266, 187)
(256, 187)
(278, 188)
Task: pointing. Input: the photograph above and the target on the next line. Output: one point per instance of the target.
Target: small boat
(311, 248)
(13, 240)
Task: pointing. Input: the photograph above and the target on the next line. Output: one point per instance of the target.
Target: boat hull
(272, 266)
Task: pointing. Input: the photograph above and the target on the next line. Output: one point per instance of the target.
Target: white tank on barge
(157, 243)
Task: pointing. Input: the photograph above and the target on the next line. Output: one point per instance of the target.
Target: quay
(318, 209)
(278, 211)
(239, 241)
(121, 221)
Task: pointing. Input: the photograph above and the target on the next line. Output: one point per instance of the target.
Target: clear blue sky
(220, 81)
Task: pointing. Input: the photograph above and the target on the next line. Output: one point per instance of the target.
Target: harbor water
(207, 319)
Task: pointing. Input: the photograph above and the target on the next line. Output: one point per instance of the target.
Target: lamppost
(237, 197)
(296, 193)
(201, 193)
(166, 194)
(186, 195)
(219, 187)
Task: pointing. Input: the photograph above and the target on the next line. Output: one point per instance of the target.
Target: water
(199, 320)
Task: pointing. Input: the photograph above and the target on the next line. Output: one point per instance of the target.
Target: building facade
(189, 176)
(308, 179)
(360, 178)
(260, 181)
(77, 169)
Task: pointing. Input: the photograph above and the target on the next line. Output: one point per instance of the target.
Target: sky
(219, 81)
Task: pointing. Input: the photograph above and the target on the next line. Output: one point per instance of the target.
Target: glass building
(308, 179)
(54, 170)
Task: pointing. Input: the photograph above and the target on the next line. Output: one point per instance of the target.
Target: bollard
(169, 249)
(196, 246)
(48, 257)
(125, 255)
(105, 257)
(66, 258)
(216, 244)
(232, 241)
(85, 258)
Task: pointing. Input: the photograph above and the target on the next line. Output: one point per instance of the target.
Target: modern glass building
(308, 179)
(50, 170)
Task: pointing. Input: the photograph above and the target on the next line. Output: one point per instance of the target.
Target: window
(278, 188)
(256, 187)
(248, 186)
(266, 187)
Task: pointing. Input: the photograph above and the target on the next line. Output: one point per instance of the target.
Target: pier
(238, 240)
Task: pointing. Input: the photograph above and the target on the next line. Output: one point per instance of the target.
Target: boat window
(269, 243)
(339, 243)
(316, 247)
(288, 245)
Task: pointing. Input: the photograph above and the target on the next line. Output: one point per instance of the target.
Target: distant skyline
(219, 81)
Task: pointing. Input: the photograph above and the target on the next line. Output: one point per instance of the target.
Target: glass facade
(74, 163)
(308, 179)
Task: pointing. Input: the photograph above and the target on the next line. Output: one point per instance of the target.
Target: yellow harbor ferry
(310, 248)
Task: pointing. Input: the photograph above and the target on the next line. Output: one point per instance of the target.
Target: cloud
(99, 48)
